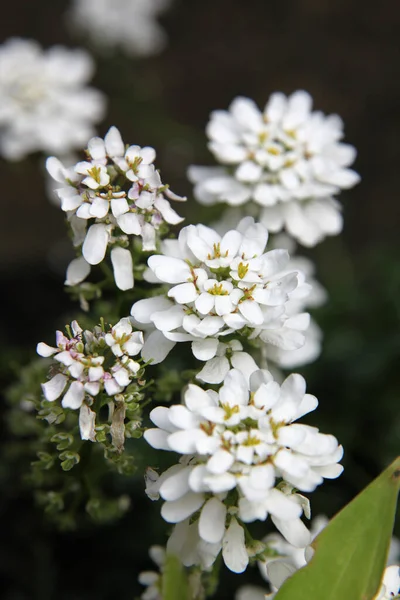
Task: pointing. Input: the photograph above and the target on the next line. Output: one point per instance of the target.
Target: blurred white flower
(152, 580)
(130, 25)
(44, 99)
(287, 159)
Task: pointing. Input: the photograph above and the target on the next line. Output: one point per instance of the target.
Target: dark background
(345, 53)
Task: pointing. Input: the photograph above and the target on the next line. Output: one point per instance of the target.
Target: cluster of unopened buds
(117, 192)
(90, 365)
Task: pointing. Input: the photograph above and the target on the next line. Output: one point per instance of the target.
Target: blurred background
(345, 53)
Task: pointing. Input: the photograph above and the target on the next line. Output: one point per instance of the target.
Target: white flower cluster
(45, 104)
(90, 362)
(287, 159)
(242, 438)
(220, 286)
(118, 191)
(128, 24)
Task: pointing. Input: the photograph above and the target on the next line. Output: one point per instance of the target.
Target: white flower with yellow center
(286, 158)
(117, 192)
(242, 440)
(219, 285)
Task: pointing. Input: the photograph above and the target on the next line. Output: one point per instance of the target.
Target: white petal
(233, 548)
(185, 442)
(220, 462)
(96, 148)
(74, 396)
(53, 388)
(205, 349)
(129, 223)
(294, 531)
(113, 142)
(179, 510)
(169, 269)
(45, 350)
(157, 438)
(251, 312)
(95, 244)
(278, 571)
(183, 293)
(156, 347)
(176, 486)
(119, 206)
(121, 259)
(215, 370)
(77, 271)
(196, 398)
(212, 521)
(143, 309)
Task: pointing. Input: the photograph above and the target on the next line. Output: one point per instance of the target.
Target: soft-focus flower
(242, 438)
(287, 159)
(115, 193)
(152, 579)
(218, 286)
(45, 104)
(88, 363)
(128, 24)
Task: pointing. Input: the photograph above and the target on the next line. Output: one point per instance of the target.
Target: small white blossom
(219, 285)
(80, 372)
(287, 159)
(128, 24)
(45, 104)
(115, 193)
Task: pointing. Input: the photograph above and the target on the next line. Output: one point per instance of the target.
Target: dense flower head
(45, 104)
(116, 192)
(220, 285)
(287, 158)
(128, 24)
(244, 438)
(89, 363)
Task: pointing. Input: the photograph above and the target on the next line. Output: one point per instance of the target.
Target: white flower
(83, 368)
(128, 24)
(44, 102)
(115, 193)
(220, 285)
(152, 579)
(287, 159)
(241, 438)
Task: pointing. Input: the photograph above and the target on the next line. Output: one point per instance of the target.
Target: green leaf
(350, 554)
(174, 580)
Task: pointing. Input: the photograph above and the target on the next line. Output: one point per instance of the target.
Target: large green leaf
(174, 580)
(351, 553)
